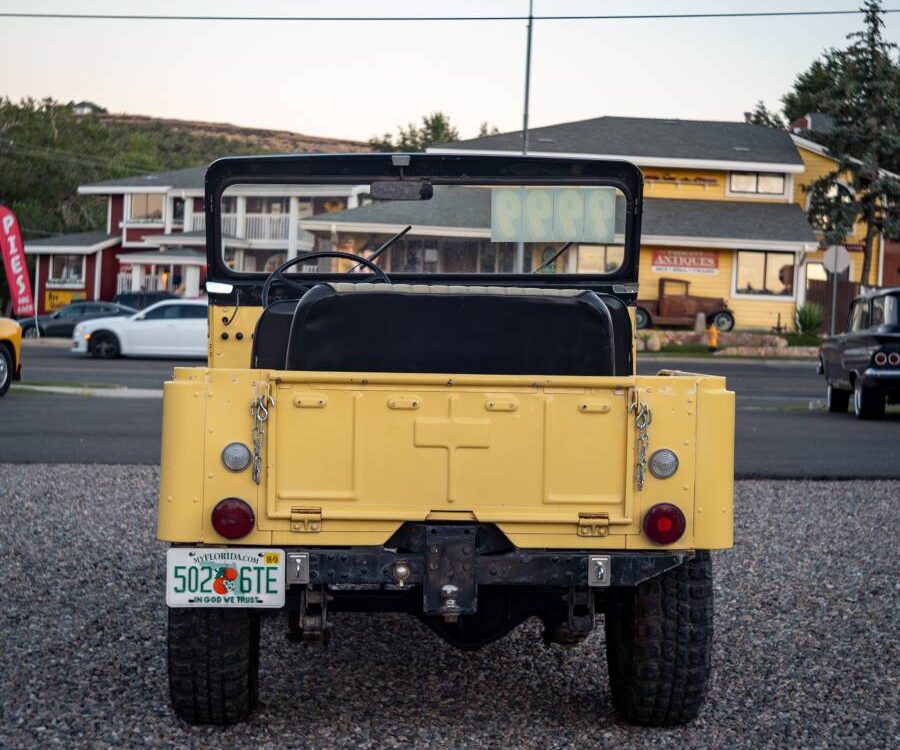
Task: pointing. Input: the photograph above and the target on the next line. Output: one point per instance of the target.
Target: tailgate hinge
(306, 520)
(593, 524)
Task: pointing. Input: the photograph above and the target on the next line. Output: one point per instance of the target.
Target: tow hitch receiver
(451, 585)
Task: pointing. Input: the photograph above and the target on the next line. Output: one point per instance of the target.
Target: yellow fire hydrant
(712, 337)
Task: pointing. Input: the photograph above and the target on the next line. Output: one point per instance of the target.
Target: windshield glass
(449, 229)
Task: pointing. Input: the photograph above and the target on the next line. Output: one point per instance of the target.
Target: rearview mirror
(405, 190)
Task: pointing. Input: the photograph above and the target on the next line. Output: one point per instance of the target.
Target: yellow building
(724, 205)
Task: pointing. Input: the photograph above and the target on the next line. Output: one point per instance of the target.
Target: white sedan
(171, 328)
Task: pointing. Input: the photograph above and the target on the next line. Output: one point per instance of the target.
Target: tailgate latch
(593, 524)
(306, 520)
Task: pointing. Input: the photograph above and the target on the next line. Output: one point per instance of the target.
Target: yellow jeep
(421, 397)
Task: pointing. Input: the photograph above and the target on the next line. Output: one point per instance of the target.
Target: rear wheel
(641, 318)
(213, 664)
(658, 645)
(723, 320)
(868, 403)
(837, 400)
(5, 369)
(105, 346)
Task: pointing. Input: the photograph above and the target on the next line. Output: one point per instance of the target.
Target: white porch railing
(266, 227)
(273, 227)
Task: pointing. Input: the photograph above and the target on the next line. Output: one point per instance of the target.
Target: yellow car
(10, 353)
(430, 406)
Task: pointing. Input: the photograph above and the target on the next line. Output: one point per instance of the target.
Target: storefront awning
(465, 212)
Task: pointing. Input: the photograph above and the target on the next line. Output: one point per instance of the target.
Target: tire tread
(659, 642)
(213, 664)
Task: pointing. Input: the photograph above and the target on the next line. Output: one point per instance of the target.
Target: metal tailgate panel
(386, 452)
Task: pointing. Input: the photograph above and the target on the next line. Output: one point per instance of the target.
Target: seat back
(355, 327)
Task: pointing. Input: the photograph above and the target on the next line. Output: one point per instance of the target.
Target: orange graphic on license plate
(272, 558)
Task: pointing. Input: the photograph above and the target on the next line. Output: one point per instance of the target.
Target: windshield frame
(439, 169)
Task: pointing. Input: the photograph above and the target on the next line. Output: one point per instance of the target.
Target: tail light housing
(894, 359)
(233, 518)
(881, 359)
(664, 523)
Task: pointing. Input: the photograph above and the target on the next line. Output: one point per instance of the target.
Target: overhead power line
(366, 19)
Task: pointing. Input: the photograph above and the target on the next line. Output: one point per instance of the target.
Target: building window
(66, 270)
(756, 183)
(268, 205)
(600, 258)
(765, 273)
(178, 211)
(146, 207)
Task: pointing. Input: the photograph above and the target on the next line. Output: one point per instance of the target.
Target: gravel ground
(808, 620)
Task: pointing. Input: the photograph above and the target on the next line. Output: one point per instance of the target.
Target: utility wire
(60, 155)
(585, 17)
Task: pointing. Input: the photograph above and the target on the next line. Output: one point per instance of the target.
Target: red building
(155, 236)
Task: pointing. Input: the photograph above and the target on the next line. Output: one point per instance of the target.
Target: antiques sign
(685, 261)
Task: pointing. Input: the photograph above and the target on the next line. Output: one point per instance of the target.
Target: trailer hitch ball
(401, 572)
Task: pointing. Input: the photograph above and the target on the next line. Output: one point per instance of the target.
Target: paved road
(777, 434)
(45, 365)
(805, 655)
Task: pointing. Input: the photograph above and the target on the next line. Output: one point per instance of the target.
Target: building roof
(651, 142)
(187, 179)
(79, 242)
(466, 212)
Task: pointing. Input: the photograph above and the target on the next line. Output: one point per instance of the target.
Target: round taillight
(894, 359)
(664, 523)
(232, 518)
(880, 359)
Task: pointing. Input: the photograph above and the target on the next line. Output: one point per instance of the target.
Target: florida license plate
(235, 577)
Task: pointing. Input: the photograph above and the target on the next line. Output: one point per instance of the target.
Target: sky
(355, 80)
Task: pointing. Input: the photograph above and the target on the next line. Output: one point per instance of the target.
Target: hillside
(46, 151)
(270, 141)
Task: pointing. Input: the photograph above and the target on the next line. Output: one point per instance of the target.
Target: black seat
(446, 329)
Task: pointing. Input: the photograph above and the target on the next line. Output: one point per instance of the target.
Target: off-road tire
(868, 403)
(658, 644)
(213, 664)
(105, 345)
(837, 400)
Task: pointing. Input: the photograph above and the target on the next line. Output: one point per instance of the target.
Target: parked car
(10, 353)
(676, 306)
(63, 321)
(140, 300)
(171, 328)
(865, 361)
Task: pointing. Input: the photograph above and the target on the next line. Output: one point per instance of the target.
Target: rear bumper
(886, 380)
(377, 566)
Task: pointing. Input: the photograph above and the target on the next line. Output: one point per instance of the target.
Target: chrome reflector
(663, 463)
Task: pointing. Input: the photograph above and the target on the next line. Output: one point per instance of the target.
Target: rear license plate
(235, 577)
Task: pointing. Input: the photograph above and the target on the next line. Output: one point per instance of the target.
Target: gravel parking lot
(808, 626)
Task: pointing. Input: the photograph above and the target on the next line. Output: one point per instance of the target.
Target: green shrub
(808, 318)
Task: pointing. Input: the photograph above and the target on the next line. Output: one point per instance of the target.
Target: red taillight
(894, 359)
(880, 359)
(232, 518)
(664, 523)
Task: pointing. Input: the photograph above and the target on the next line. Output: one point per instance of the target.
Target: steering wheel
(278, 273)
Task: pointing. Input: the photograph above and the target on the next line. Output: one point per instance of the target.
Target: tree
(863, 100)
(435, 128)
(809, 87)
(485, 129)
(761, 115)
